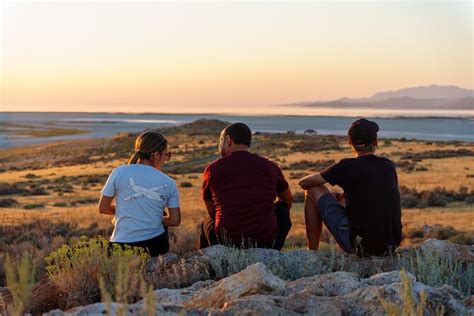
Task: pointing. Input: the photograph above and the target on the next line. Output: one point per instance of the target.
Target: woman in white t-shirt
(142, 192)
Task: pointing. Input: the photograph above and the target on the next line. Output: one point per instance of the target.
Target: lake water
(106, 125)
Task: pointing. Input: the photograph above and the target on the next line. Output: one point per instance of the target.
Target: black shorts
(155, 246)
(334, 216)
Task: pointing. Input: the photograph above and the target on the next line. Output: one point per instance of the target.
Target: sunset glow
(225, 57)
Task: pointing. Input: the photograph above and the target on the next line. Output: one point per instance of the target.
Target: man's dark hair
(240, 133)
(363, 134)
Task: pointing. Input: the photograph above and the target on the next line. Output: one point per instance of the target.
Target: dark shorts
(155, 246)
(334, 216)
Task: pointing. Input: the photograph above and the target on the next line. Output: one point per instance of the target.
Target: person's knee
(315, 193)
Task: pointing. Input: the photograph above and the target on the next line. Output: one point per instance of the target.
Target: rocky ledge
(268, 282)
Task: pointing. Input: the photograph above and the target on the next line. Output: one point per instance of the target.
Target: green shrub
(10, 189)
(186, 185)
(33, 206)
(436, 197)
(76, 270)
(8, 202)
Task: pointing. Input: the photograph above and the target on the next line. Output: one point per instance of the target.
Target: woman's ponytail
(134, 159)
(147, 143)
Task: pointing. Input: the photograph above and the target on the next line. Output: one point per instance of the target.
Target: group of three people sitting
(248, 199)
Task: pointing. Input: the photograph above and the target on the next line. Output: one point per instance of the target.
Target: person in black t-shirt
(366, 219)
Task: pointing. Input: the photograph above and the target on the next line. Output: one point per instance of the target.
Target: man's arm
(173, 218)
(211, 210)
(286, 197)
(105, 205)
(311, 180)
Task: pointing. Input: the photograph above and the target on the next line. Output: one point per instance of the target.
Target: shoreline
(341, 115)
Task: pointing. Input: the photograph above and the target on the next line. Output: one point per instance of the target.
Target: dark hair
(146, 144)
(363, 132)
(239, 133)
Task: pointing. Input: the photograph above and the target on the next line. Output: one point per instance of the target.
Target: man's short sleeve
(173, 201)
(282, 184)
(206, 190)
(109, 188)
(334, 174)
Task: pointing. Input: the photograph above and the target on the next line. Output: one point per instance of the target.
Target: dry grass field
(82, 167)
(49, 193)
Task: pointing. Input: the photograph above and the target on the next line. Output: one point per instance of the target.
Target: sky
(237, 57)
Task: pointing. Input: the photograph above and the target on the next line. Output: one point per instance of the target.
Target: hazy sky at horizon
(226, 57)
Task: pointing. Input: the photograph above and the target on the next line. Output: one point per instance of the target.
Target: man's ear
(229, 140)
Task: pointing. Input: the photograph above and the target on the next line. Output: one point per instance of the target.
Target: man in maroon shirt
(246, 196)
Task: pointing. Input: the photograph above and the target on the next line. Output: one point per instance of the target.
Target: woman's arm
(173, 218)
(105, 205)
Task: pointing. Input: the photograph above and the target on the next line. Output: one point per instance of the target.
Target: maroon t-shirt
(243, 187)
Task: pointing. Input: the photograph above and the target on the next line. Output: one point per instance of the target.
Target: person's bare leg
(313, 222)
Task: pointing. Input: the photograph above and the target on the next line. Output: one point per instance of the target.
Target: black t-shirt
(370, 187)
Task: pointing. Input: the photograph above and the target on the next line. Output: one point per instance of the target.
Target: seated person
(239, 191)
(370, 221)
(142, 192)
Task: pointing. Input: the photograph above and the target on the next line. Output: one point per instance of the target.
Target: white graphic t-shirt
(141, 193)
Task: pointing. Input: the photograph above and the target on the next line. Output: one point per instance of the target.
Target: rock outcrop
(268, 282)
(257, 291)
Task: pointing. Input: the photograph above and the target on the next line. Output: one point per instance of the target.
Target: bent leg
(282, 212)
(207, 236)
(334, 216)
(313, 222)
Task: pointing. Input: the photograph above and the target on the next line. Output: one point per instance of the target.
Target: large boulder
(447, 250)
(255, 279)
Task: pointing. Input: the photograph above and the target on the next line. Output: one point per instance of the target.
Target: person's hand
(302, 183)
(339, 196)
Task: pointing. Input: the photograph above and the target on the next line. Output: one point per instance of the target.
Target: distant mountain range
(427, 98)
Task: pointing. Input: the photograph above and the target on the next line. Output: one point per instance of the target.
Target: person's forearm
(306, 182)
(168, 221)
(108, 211)
(210, 209)
(310, 181)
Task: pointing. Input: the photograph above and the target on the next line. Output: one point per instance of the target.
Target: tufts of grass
(8, 202)
(432, 269)
(76, 270)
(409, 305)
(19, 282)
